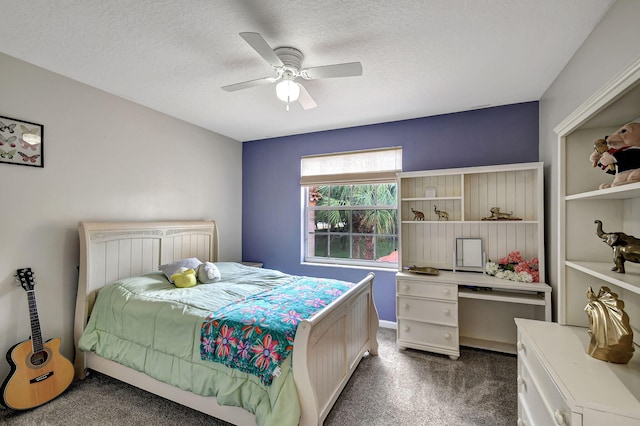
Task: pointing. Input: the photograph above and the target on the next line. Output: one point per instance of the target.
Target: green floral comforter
(148, 324)
(256, 334)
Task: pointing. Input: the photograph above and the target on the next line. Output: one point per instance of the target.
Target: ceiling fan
(287, 62)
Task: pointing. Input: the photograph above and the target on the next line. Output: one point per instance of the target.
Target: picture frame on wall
(21, 142)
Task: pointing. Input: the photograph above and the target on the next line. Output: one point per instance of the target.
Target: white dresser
(442, 312)
(560, 384)
(427, 315)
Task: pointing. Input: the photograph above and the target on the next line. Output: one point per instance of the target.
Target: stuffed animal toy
(600, 146)
(208, 273)
(184, 278)
(623, 153)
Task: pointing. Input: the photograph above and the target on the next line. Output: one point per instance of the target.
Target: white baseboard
(388, 324)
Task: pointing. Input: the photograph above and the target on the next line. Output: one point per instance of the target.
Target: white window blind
(375, 165)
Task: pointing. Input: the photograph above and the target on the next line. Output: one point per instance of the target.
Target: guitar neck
(36, 334)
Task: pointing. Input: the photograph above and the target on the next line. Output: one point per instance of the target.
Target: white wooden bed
(327, 348)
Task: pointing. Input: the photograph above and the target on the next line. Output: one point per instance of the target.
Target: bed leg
(80, 366)
(374, 321)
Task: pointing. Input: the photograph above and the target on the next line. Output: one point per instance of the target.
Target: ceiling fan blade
(250, 83)
(258, 43)
(305, 100)
(350, 69)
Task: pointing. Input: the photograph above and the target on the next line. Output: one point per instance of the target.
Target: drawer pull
(558, 417)
(405, 287)
(446, 291)
(446, 311)
(521, 422)
(522, 383)
(406, 328)
(447, 336)
(406, 306)
(520, 346)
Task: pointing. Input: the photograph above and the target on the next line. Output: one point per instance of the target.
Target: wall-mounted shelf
(602, 271)
(624, 192)
(431, 198)
(584, 259)
(467, 195)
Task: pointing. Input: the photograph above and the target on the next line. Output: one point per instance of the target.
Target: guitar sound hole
(39, 358)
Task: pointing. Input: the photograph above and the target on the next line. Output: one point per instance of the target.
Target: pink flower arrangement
(513, 267)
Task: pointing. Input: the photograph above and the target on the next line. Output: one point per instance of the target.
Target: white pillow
(208, 273)
(171, 268)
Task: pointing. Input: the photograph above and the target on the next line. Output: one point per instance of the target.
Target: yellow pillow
(185, 279)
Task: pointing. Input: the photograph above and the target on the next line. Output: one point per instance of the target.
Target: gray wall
(611, 46)
(105, 158)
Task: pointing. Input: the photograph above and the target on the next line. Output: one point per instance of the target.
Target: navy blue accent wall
(271, 200)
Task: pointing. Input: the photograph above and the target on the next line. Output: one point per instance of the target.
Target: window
(351, 208)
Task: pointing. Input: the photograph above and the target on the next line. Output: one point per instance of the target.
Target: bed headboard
(113, 250)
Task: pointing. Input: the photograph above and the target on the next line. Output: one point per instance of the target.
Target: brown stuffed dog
(623, 153)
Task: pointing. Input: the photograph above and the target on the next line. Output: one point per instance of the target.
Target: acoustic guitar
(39, 373)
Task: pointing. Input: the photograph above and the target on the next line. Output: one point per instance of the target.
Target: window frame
(344, 261)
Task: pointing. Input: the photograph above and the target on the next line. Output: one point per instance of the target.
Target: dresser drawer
(427, 289)
(427, 334)
(536, 390)
(428, 310)
(524, 418)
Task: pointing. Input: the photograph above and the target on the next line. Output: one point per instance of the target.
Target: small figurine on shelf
(417, 215)
(600, 146)
(427, 270)
(430, 192)
(496, 214)
(625, 247)
(442, 215)
(611, 334)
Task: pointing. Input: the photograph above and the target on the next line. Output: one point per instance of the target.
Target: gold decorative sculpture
(625, 247)
(611, 334)
(427, 270)
(496, 214)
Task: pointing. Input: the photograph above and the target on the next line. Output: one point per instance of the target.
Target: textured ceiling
(420, 57)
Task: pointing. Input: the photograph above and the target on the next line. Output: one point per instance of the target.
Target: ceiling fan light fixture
(288, 90)
(286, 62)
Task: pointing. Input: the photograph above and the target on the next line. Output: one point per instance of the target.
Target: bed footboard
(329, 347)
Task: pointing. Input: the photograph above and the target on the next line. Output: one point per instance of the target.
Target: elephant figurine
(625, 247)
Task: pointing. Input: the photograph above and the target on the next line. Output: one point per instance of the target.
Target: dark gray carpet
(395, 388)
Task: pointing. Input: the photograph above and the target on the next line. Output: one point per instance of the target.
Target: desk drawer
(427, 334)
(429, 310)
(427, 289)
(536, 390)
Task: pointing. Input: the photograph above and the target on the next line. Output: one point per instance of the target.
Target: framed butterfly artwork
(21, 142)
